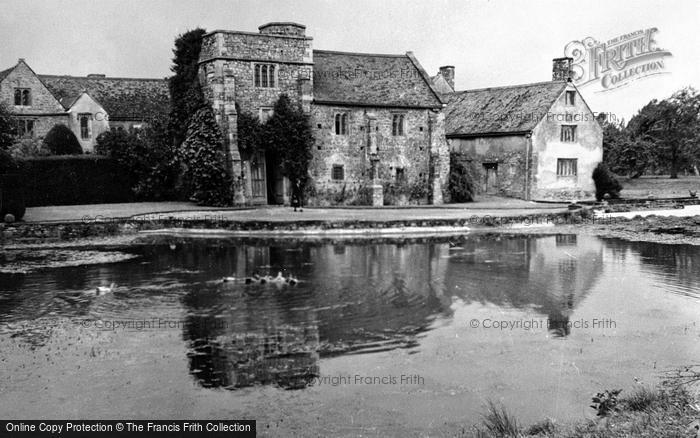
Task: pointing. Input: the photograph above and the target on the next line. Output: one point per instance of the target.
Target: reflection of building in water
(285, 355)
(552, 274)
(352, 298)
(385, 291)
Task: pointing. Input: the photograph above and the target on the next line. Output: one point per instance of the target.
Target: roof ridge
(338, 52)
(101, 78)
(510, 86)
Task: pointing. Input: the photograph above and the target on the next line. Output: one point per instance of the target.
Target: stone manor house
(378, 120)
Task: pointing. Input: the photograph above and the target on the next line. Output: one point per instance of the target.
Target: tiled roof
(122, 98)
(500, 110)
(372, 80)
(5, 73)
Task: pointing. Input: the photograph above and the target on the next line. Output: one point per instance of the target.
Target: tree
(288, 134)
(250, 134)
(624, 155)
(204, 160)
(185, 92)
(7, 128)
(671, 125)
(60, 140)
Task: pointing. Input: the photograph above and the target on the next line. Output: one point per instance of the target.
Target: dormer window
(265, 76)
(341, 124)
(23, 97)
(571, 98)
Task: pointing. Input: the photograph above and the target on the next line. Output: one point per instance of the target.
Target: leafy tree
(605, 182)
(7, 128)
(60, 140)
(204, 160)
(671, 126)
(250, 134)
(149, 157)
(624, 155)
(288, 135)
(185, 92)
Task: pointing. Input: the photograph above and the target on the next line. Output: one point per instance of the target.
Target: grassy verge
(663, 412)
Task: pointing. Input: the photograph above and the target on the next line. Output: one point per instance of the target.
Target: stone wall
(507, 152)
(42, 101)
(547, 148)
(369, 135)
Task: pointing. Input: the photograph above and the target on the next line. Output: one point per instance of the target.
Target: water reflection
(353, 297)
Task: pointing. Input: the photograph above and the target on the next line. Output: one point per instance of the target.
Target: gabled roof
(122, 98)
(441, 85)
(4, 73)
(372, 80)
(500, 110)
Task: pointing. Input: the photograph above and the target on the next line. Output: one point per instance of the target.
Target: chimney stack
(562, 69)
(448, 72)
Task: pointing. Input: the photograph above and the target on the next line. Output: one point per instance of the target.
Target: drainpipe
(528, 151)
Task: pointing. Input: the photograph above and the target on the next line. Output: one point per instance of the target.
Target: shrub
(149, 157)
(7, 128)
(203, 157)
(461, 184)
(605, 182)
(29, 147)
(288, 134)
(60, 140)
(419, 190)
(605, 402)
(250, 135)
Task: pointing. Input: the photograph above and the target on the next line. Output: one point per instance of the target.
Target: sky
(490, 43)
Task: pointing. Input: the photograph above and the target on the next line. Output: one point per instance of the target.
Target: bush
(74, 179)
(148, 156)
(7, 128)
(605, 182)
(202, 154)
(461, 184)
(60, 140)
(29, 147)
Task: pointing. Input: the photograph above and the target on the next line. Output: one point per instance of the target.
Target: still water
(380, 338)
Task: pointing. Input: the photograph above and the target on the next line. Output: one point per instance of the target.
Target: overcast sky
(491, 43)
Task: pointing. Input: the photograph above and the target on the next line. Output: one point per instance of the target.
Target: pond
(378, 338)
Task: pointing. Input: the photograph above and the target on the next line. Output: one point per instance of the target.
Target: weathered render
(513, 139)
(366, 91)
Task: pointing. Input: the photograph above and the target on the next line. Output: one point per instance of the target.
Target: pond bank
(124, 231)
(663, 412)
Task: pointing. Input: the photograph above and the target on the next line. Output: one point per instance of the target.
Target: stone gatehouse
(377, 120)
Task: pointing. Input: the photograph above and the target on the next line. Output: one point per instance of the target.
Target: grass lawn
(660, 186)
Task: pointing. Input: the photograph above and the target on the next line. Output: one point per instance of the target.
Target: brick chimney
(562, 69)
(448, 72)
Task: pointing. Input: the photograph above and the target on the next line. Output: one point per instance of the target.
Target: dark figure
(297, 196)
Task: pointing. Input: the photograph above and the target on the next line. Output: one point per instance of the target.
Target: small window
(23, 97)
(397, 124)
(264, 76)
(341, 124)
(570, 97)
(25, 128)
(85, 126)
(568, 133)
(338, 173)
(400, 174)
(567, 167)
(265, 114)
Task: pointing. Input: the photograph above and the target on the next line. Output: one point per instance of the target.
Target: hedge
(74, 179)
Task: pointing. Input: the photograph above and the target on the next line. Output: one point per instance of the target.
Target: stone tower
(248, 72)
